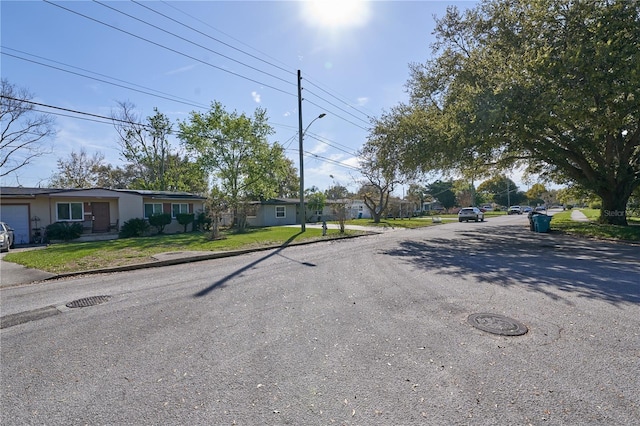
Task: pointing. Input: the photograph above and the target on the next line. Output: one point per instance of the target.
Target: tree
(536, 193)
(78, 171)
(442, 191)
(551, 84)
(24, 131)
(416, 195)
(382, 174)
(502, 191)
(337, 192)
(234, 149)
(156, 164)
(316, 201)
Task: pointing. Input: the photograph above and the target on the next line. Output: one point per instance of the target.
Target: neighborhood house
(101, 211)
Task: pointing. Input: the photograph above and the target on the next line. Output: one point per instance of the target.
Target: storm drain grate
(88, 301)
(497, 324)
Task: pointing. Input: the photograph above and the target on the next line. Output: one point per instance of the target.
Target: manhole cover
(88, 301)
(497, 324)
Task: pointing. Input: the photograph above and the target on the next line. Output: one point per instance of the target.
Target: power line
(210, 37)
(170, 49)
(171, 98)
(369, 116)
(191, 42)
(338, 115)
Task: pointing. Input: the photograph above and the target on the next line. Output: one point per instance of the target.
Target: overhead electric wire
(334, 105)
(369, 116)
(193, 43)
(327, 143)
(337, 115)
(213, 38)
(173, 99)
(170, 49)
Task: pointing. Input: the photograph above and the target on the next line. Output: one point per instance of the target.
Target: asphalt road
(364, 331)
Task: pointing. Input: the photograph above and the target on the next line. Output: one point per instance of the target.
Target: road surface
(366, 331)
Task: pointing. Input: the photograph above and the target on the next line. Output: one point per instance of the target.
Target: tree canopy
(549, 84)
(234, 149)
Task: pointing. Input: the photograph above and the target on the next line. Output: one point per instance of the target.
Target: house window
(151, 209)
(280, 212)
(70, 211)
(176, 209)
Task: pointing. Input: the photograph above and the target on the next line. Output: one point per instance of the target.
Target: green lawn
(562, 222)
(83, 256)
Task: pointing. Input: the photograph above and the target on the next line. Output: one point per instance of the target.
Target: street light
(303, 227)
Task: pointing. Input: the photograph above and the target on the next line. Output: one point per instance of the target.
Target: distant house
(285, 211)
(273, 212)
(100, 210)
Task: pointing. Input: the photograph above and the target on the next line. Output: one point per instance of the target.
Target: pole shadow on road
(542, 262)
(223, 280)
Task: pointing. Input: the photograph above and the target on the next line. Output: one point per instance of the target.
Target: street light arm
(317, 118)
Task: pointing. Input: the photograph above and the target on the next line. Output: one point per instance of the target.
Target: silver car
(6, 237)
(470, 213)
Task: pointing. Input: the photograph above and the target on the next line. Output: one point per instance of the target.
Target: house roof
(22, 192)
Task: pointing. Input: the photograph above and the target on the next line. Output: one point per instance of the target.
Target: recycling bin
(541, 222)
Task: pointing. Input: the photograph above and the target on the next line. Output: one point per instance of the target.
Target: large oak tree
(550, 84)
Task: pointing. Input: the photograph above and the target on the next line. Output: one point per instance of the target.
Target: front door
(101, 217)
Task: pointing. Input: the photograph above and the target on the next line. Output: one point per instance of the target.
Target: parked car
(526, 209)
(470, 213)
(515, 210)
(541, 208)
(487, 208)
(7, 237)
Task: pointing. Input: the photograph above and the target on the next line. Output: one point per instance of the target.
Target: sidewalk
(578, 216)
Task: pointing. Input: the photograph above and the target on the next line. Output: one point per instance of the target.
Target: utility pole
(301, 133)
(303, 226)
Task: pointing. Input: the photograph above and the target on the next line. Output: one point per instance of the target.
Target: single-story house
(29, 210)
(286, 211)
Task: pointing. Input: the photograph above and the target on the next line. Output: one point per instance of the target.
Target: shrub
(134, 228)
(597, 205)
(202, 222)
(159, 221)
(185, 219)
(65, 231)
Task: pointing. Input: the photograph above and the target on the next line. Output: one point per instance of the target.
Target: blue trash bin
(541, 222)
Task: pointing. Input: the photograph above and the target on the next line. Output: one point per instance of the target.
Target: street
(364, 331)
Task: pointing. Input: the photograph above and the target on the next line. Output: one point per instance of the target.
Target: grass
(562, 222)
(409, 223)
(83, 256)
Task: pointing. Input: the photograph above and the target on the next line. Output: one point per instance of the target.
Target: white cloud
(362, 101)
(256, 96)
(181, 69)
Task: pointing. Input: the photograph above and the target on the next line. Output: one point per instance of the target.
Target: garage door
(17, 217)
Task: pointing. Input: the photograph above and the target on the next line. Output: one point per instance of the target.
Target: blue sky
(353, 57)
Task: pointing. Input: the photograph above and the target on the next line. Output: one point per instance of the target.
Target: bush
(185, 219)
(134, 228)
(596, 205)
(159, 221)
(65, 231)
(202, 222)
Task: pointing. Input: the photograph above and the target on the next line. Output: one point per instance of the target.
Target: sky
(179, 57)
